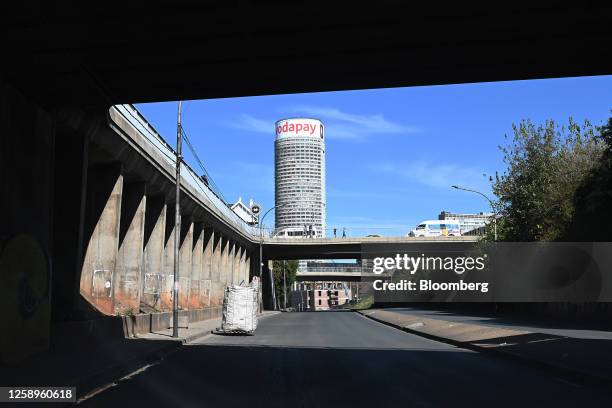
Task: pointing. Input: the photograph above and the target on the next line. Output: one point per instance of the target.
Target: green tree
(290, 268)
(593, 197)
(545, 165)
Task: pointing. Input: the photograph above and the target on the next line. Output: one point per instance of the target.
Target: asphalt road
(525, 323)
(339, 359)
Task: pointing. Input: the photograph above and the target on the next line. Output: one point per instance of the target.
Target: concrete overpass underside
(356, 248)
(338, 277)
(80, 201)
(98, 53)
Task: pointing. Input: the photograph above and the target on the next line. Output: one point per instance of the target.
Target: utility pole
(284, 287)
(274, 304)
(177, 224)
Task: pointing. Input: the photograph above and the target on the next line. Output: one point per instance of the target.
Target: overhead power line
(209, 180)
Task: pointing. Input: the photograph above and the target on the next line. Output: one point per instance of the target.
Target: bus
(436, 228)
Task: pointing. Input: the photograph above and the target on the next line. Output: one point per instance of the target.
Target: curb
(567, 373)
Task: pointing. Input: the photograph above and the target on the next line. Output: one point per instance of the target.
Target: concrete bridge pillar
(247, 267)
(231, 257)
(217, 264)
(241, 268)
(154, 241)
(127, 282)
(254, 264)
(231, 272)
(224, 262)
(238, 265)
(185, 253)
(103, 213)
(207, 266)
(167, 275)
(197, 266)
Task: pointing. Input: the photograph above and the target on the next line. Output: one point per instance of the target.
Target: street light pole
(177, 223)
(261, 257)
(284, 287)
(490, 203)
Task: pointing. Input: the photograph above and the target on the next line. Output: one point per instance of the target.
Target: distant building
(299, 296)
(331, 266)
(244, 211)
(299, 175)
(469, 224)
(315, 296)
(320, 265)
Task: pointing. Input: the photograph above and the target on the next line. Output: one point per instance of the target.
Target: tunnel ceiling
(99, 53)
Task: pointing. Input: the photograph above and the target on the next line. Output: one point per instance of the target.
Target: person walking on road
(343, 232)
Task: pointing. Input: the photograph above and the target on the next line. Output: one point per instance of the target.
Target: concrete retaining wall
(152, 322)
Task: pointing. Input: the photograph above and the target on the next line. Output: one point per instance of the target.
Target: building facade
(469, 224)
(299, 175)
(244, 211)
(314, 296)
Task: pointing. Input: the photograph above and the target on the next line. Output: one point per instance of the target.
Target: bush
(546, 166)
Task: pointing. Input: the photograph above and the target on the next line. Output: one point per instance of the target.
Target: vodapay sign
(299, 127)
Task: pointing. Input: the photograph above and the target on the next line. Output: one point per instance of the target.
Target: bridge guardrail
(188, 175)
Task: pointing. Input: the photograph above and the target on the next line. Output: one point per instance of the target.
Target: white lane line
(115, 383)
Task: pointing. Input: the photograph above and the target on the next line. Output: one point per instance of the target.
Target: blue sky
(392, 154)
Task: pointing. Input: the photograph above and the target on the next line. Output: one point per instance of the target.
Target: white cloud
(253, 124)
(339, 124)
(375, 123)
(436, 175)
(344, 125)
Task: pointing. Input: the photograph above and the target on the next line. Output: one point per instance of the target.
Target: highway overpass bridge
(86, 210)
(339, 276)
(362, 248)
(355, 247)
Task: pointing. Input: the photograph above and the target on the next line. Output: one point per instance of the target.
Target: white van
(294, 232)
(436, 228)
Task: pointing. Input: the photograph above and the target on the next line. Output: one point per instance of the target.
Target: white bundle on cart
(240, 309)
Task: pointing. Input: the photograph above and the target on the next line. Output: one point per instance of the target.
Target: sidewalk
(91, 355)
(572, 356)
(195, 330)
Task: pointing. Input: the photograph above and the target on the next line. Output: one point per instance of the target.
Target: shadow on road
(238, 376)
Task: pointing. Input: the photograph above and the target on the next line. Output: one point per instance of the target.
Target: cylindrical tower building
(299, 174)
